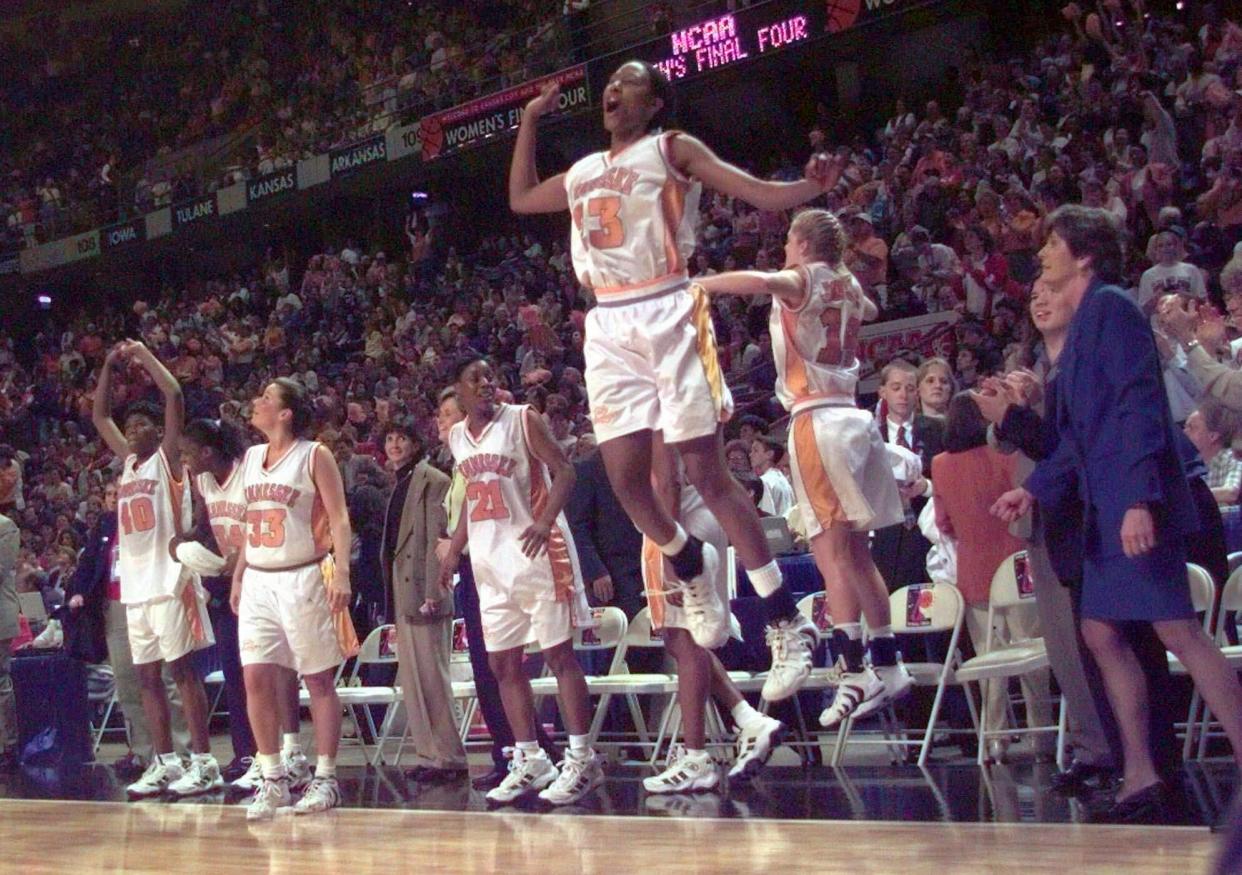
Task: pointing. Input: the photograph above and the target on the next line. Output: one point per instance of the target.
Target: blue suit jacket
(1115, 438)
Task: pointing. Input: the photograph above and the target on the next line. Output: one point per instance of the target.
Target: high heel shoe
(1149, 805)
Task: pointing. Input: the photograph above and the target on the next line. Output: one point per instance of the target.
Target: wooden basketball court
(188, 839)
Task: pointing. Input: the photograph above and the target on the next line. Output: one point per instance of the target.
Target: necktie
(901, 437)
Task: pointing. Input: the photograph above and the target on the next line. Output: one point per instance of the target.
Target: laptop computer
(31, 604)
(780, 539)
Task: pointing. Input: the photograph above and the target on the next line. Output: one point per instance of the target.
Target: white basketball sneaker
(791, 642)
(579, 775)
(270, 797)
(897, 680)
(156, 779)
(249, 782)
(322, 794)
(707, 617)
(527, 774)
(299, 770)
(203, 776)
(858, 694)
(686, 773)
(754, 747)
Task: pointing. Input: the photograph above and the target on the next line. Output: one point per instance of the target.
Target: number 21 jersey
(506, 488)
(633, 218)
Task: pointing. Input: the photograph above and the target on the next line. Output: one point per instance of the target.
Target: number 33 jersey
(286, 522)
(506, 488)
(152, 508)
(633, 218)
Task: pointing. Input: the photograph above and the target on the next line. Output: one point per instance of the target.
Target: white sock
(170, 759)
(696, 754)
(202, 757)
(529, 748)
(273, 768)
(291, 744)
(881, 632)
(579, 743)
(745, 715)
(852, 631)
(673, 547)
(766, 580)
(326, 767)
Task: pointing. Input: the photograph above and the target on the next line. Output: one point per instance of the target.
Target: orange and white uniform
(284, 616)
(226, 509)
(521, 600)
(839, 464)
(650, 348)
(165, 607)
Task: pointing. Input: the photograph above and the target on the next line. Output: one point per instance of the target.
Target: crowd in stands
(1139, 115)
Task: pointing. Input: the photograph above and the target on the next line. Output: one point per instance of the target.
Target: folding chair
(379, 648)
(999, 660)
(922, 609)
(1203, 598)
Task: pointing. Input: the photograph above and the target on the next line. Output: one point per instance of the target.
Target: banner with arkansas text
(479, 120)
(347, 159)
(929, 335)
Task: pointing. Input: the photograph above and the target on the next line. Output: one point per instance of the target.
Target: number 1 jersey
(633, 218)
(506, 488)
(152, 508)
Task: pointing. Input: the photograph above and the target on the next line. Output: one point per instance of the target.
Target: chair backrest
(815, 608)
(640, 633)
(924, 608)
(1202, 594)
(1230, 602)
(1012, 584)
(459, 646)
(608, 631)
(379, 648)
(1235, 561)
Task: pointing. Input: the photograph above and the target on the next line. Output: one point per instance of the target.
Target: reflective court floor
(859, 819)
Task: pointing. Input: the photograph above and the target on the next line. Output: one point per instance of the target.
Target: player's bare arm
(693, 158)
(788, 285)
(101, 412)
(526, 193)
(327, 479)
(546, 450)
(174, 401)
(452, 556)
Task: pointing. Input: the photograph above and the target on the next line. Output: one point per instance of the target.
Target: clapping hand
(1014, 504)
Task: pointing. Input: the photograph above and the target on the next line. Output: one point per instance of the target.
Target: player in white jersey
(842, 478)
(211, 450)
(291, 599)
(699, 671)
(526, 571)
(165, 607)
(650, 348)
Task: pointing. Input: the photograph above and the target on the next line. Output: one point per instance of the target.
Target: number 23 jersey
(286, 522)
(633, 216)
(506, 488)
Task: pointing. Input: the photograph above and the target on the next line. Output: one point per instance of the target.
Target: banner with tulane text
(479, 120)
(349, 158)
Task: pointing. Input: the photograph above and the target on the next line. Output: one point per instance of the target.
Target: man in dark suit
(1116, 459)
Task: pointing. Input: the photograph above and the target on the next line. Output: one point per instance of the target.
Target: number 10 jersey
(152, 508)
(506, 488)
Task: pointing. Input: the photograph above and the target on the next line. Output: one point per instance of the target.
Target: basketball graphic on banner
(431, 136)
(842, 14)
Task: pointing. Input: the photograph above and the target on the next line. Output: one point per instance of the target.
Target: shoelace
(777, 642)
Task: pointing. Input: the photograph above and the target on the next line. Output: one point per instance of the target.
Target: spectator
(10, 542)
(1212, 429)
(766, 453)
(1169, 273)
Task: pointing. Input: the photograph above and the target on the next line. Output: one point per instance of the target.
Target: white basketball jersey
(286, 523)
(152, 508)
(634, 218)
(226, 509)
(506, 488)
(815, 345)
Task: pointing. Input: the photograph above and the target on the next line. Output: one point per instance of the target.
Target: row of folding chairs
(1217, 614)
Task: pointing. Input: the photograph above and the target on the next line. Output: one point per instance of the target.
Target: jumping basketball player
(165, 607)
(842, 478)
(290, 595)
(211, 450)
(526, 571)
(650, 349)
(699, 671)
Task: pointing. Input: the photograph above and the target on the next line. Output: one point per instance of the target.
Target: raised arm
(788, 285)
(174, 401)
(327, 477)
(526, 193)
(101, 412)
(693, 158)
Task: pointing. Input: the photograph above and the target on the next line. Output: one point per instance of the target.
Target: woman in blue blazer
(1116, 462)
